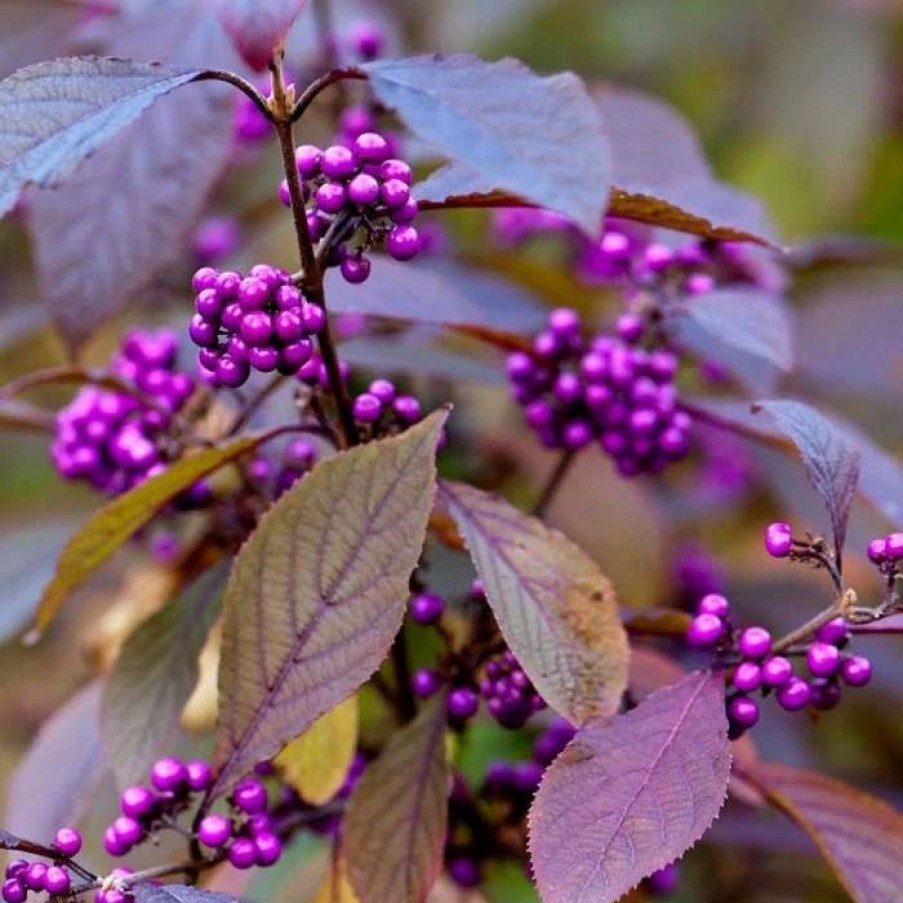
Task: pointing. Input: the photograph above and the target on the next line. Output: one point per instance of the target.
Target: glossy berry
(57, 880)
(705, 631)
(267, 848)
(462, 704)
(128, 831)
(510, 695)
(794, 695)
(826, 694)
(465, 872)
(214, 830)
(242, 853)
(137, 801)
(747, 677)
(893, 546)
(425, 683)
(743, 712)
(250, 796)
(755, 642)
(200, 777)
(426, 608)
(778, 540)
(168, 774)
(68, 841)
(856, 671)
(403, 242)
(16, 868)
(367, 408)
(877, 550)
(713, 604)
(35, 875)
(776, 671)
(823, 659)
(14, 891)
(112, 844)
(834, 632)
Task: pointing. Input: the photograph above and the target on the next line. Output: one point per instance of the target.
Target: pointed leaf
(139, 196)
(109, 527)
(393, 833)
(318, 593)
(54, 114)
(177, 893)
(831, 459)
(317, 762)
(747, 332)
(154, 676)
(630, 795)
(860, 836)
(56, 782)
(257, 26)
(554, 607)
(539, 138)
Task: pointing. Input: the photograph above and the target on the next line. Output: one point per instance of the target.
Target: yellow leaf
(316, 762)
(335, 887)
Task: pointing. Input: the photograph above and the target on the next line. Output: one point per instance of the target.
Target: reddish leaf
(630, 795)
(393, 832)
(539, 138)
(318, 593)
(860, 836)
(257, 26)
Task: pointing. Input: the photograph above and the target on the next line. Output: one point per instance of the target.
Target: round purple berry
(338, 162)
(705, 630)
(396, 169)
(268, 848)
(112, 844)
(825, 694)
(747, 677)
(313, 317)
(877, 550)
(755, 642)
(371, 147)
(856, 671)
(425, 683)
(35, 875)
(308, 158)
(16, 868)
(331, 197)
(169, 773)
(427, 608)
(823, 659)
(355, 269)
(363, 190)
(464, 871)
(367, 408)
(794, 695)
(834, 632)
(713, 604)
(128, 830)
(214, 830)
(14, 891)
(462, 704)
(407, 409)
(893, 546)
(250, 796)
(68, 841)
(778, 540)
(200, 777)
(743, 712)
(403, 242)
(776, 671)
(57, 880)
(242, 853)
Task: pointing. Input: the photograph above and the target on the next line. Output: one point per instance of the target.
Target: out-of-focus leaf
(154, 676)
(317, 762)
(860, 836)
(651, 671)
(111, 228)
(555, 608)
(744, 331)
(56, 782)
(109, 527)
(831, 459)
(336, 888)
(539, 138)
(318, 593)
(33, 30)
(629, 795)
(393, 832)
(257, 26)
(431, 291)
(54, 114)
(177, 893)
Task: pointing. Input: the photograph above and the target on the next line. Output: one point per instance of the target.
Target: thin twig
(254, 403)
(839, 608)
(309, 95)
(547, 493)
(243, 85)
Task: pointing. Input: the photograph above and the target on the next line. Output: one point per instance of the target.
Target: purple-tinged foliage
(630, 795)
(258, 26)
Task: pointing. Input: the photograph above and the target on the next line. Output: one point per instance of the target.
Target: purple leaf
(393, 832)
(177, 893)
(33, 30)
(436, 292)
(318, 593)
(257, 26)
(554, 607)
(53, 115)
(139, 197)
(539, 138)
(630, 795)
(831, 459)
(57, 780)
(860, 836)
(154, 676)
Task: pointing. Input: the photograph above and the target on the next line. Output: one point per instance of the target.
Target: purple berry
(338, 163)
(204, 278)
(747, 677)
(231, 373)
(403, 242)
(35, 875)
(250, 796)
(664, 882)
(823, 659)
(834, 632)
(406, 214)
(308, 158)
(268, 848)
(288, 326)
(68, 841)
(713, 604)
(825, 694)
(877, 550)
(629, 327)
(705, 630)
(778, 540)
(363, 190)
(16, 868)
(794, 695)
(128, 830)
(314, 318)
(893, 546)
(394, 193)
(465, 872)
(242, 853)
(266, 360)
(755, 642)
(355, 269)
(169, 773)
(200, 777)
(293, 357)
(256, 328)
(462, 704)
(331, 197)
(743, 712)
(57, 880)
(371, 147)
(253, 294)
(856, 671)
(112, 844)
(396, 169)
(214, 830)
(367, 408)
(776, 671)
(427, 608)
(14, 891)
(407, 409)
(565, 322)
(425, 683)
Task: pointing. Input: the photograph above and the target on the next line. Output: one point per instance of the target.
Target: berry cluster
(510, 696)
(755, 668)
(113, 439)
(608, 389)
(257, 322)
(273, 478)
(359, 193)
(886, 552)
(23, 877)
(383, 410)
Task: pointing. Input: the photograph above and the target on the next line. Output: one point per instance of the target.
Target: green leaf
(154, 677)
(394, 829)
(318, 593)
(107, 529)
(555, 608)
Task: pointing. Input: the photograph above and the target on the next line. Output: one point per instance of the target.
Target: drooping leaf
(56, 782)
(860, 836)
(257, 26)
(433, 291)
(110, 526)
(630, 795)
(539, 138)
(154, 676)
(111, 228)
(393, 832)
(54, 114)
(33, 30)
(317, 762)
(831, 459)
(554, 607)
(745, 331)
(318, 593)
(177, 893)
